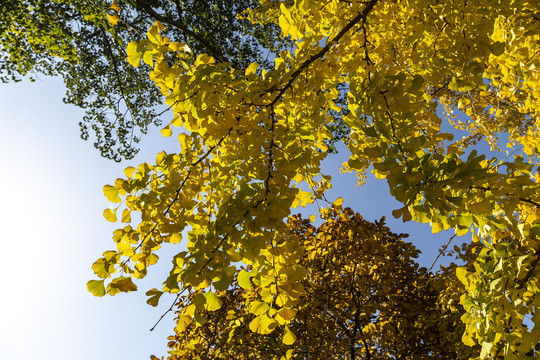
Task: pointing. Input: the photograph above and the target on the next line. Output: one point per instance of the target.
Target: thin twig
(441, 252)
(216, 53)
(169, 310)
(360, 17)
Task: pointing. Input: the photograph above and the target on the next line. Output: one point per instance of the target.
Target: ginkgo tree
(252, 142)
(364, 298)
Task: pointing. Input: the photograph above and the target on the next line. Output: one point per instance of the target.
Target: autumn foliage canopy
(252, 143)
(417, 85)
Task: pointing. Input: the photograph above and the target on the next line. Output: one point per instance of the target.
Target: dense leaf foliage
(76, 39)
(364, 298)
(253, 139)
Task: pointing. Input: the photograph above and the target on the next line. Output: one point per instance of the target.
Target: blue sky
(53, 230)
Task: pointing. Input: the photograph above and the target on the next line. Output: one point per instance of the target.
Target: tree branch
(177, 194)
(360, 17)
(215, 52)
(169, 310)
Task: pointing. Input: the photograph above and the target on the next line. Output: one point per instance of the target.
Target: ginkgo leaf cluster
(365, 297)
(253, 140)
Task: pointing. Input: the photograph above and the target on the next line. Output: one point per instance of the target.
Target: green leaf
(481, 207)
(244, 280)
(416, 84)
(200, 320)
(227, 276)
(370, 131)
(171, 283)
(402, 212)
(497, 48)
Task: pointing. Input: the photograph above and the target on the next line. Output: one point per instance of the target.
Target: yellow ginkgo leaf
(111, 193)
(115, 6)
(113, 19)
(96, 287)
(126, 285)
(288, 336)
(212, 301)
(166, 131)
(126, 216)
(110, 215)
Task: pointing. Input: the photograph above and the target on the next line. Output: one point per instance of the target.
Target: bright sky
(53, 230)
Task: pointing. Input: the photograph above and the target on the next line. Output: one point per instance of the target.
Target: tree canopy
(85, 43)
(364, 298)
(419, 84)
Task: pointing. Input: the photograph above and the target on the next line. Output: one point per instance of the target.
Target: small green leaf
(497, 48)
(370, 131)
(200, 320)
(227, 276)
(402, 212)
(481, 207)
(416, 84)
(199, 301)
